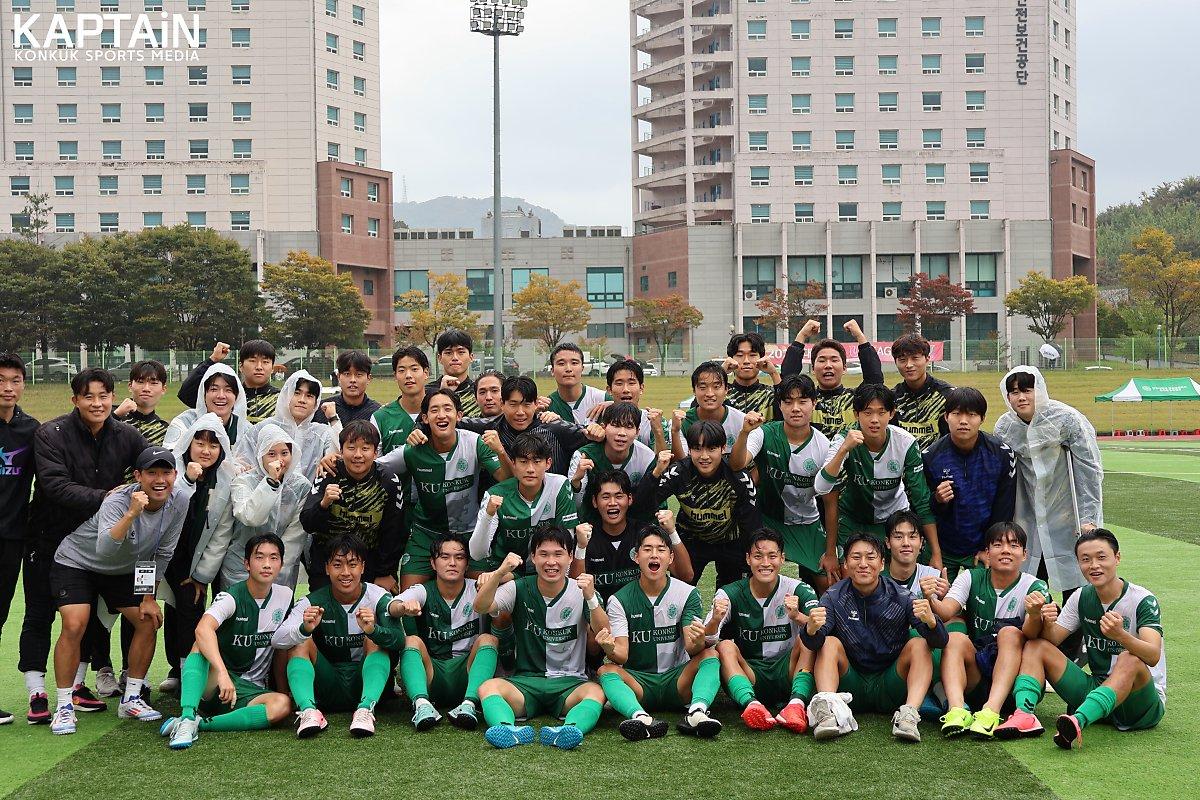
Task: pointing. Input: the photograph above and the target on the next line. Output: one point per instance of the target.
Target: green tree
(1173, 207)
(28, 308)
(34, 220)
(1158, 272)
(447, 309)
(665, 319)
(311, 305)
(1048, 302)
(1109, 322)
(98, 296)
(547, 310)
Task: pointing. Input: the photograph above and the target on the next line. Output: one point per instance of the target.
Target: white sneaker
(821, 717)
(106, 683)
(309, 723)
(363, 724)
(904, 724)
(169, 685)
(138, 709)
(64, 721)
(186, 732)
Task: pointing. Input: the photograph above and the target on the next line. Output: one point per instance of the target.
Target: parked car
(120, 372)
(52, 370)
(649, 370)
(382, 367)
(481, 363)
(317, 363)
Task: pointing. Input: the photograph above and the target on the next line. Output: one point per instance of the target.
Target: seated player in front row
(1122, 627)
(757, 620)
(658, 659)
(551, 614)
(337, 649)
(860, 632)
(904, 542)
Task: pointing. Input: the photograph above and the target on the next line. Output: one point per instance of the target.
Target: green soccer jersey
(338, 637)
(655, 625)
(786, 473)
(515, 521)
(551, 632)
(874, 485)
(245, 626)
(639, 461)
(731, 422)
(395, 424)
(986, 608)
(761, 628)
(1137, 607)
(913, 584)
(577, 411)
(444, 485)
(448, 629)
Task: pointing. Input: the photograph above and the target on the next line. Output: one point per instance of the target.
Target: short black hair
(86, 377)
(353, 359)
(551, 533)
(618, 476)
(444, 392)
(910, 344)
(827, 344)
(256, 347)
(359, 430)
(1000, 530)
(443, 539)
(569, 346)
(1019, 381)
(230, 381)
(764, 535)
(796, 383)
(413, 352)
(312, 387)
(708, 368)
(652, 530)
(757, 345)
(622, 414)
(1098, 535)
(904, 515)
(259, 539)
(449, 339)
(346, 545)
(12, 361)
(490, 373)
(148, 370)
(868, 393)
(966, 400)
(626, 365)
(519, 384)
(706, 433)
(531, 445)
(854, 539)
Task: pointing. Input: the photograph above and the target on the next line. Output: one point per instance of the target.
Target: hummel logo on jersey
(980, 601)
(635, 616)
(854, 615)
(424, 469)
(241, 619)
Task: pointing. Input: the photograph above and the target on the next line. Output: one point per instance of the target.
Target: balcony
(706, 136)
(714, 210)
(662, 72)
(662, 176)
(649, 8)
(663, 108)
(662, 142)
(669, 35)
(675, 210)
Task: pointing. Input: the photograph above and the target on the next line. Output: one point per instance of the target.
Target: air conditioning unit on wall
(749, 295)
(889, 293)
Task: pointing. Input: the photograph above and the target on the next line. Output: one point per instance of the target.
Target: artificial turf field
(1150, 502)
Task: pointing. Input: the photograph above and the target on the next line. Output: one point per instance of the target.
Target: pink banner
(775, 352)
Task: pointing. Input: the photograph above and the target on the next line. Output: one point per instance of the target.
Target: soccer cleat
(106, 683)
(1019, 725)
(699, 724)
(464, 716)
(363, 724)
(956, 721)
(39, 709)
(904, 724)
(1068, 734)
(641, 728)
(757, 717)
(506, 736)
(793, 717)
(138, 709)
(309, 722)
(167, 729)
(564, 737)
(6, 717)
(170, 684)
(64, 721)
(825, 724)
(984, 725)
(185, 734)
(425, 716)
(83, 700)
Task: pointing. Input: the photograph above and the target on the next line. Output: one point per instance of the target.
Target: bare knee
(727, 648)
(592, 691)
(279, 707)
(1010, 636)
(414, 643)
(607, 668)
(917, 646)
(490, 687)
(1127, 662)
(486, 640)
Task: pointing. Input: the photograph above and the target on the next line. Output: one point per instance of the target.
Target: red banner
(775, 352)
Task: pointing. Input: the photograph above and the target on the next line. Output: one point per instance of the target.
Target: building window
(110, 76)
(109, 185)
(889, 140)
(644, 284)
(756, 30)
(23, 113)
(980, 274)
(239, 220)
(331, 43)
(758, 276)
(756, 104)
(843, 140)
(360, 86)
(152, 184)
(975, 62)
(606, 287)
(23, 151)
(672, 280)
(801, 141)
(68, 113)
(976, 100)
(757, 141)
(241, 112)
(67, 151)
(197, 112)
(373, 191)
(64, 223)
(888, 328)
(346, 186)
(197, 76)
(935, 210)
(760, 176)
(67, 76)
(894, 273)
(931, 64)
(348, 223)
(888, 65)
(373, 227)
(239, 184)
(891, 211)
(891, 174)
(18, 185)
(240, 74)
(331, 8)
(980, 173)
(843, 102)
(802, 174)
(197, 184)
(801, 103)
(239, 37)
(154, 76)
(974, 26)
(360, 156)
(155, 112)
(110, 150)
(606, 330)
(197, 219)
(152, 219)
(480, 295)
(241, 148)
(521, 275)
(886, 28)
(756, 67)
(368, 287)
(332, 78)
(198, 149)
(847, 279)
(760, 212)
(847, 212)
(22, 76)
(976, 137)
(411, 280)
(801, 66)
(803, 212)
(843, 66)
(803, 270)
(333, 116)
(888, 102)
(110, 221)
(982, 327)
(936, 265)
(931, 27)
(843, 29)
(360, 51)
(931, 139)
(360, 122)
(802, 28)
(981, 209)
(847, 174)
(931, 101)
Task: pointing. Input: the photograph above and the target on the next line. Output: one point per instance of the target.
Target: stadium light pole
(496, 18)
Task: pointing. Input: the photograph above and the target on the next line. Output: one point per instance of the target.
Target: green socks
(483, 667)
(584, 715)
(803, 686)
(1098, 704)
(508, 645)
(194, 679)
(250, 718)
(301, 676)
(622, 698)
(740, 689)
(706, 682)
(1027, 692)
(376, 669)
(412, 675)
(497, 711)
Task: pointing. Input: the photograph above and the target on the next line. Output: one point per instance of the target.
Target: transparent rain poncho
(181, 423)
(314, 439)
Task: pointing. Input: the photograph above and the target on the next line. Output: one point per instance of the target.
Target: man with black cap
(119, 555)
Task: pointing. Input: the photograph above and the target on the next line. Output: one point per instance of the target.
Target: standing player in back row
(920, 397)
(627, 383)
(396, 420)
(573, 400)
(454, 356)
(708, 384)
(256, 362)
(745, 359)
(833, 414)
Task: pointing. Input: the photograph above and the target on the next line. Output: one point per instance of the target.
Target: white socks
(80, 673)
(64, 697)
(35, 682)
(133, 689)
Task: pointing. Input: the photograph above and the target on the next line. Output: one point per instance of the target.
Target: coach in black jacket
(79, 457)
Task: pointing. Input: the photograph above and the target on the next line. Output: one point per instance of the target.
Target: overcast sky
(565, 96)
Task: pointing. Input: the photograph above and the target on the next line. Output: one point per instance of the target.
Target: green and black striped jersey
(922, 412)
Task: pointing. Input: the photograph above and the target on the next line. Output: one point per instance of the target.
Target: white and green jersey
(761, 628)
(245, 626)
(449, 629)
(1137, 607)
(444, 485)
(731, 422)
(913, 584)
(515, 521)
(551, 632)
(639, 461)
(577, 411)
(786, 473)
(654, 625)
(338, 636)
(872, 486)
(986, 608)
(394, 424)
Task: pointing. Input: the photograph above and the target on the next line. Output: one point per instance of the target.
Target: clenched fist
(493, 505)
(720, 608)
(752, 420)
(220, 352)
(138, 502)
(583, 534)
(666, 520)
(329, 409)
(193, 471)
(333, 493)
(587, 585)
(126, 408)
(312, 618)
(511, 563)
(816, 620)
(366, 619)
(491, 439)
(605, 639)
(923, 611)
(854, 437)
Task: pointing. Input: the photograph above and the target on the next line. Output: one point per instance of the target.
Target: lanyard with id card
(145, 577)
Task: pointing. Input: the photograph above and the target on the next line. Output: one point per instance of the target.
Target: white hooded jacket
(181, 423)
(219, 523)
(315, 440)
(1061, 476)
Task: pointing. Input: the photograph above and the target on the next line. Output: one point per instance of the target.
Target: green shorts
(660, 690)
(848, 527)
(449, 684)
(415, 560)
(246, 693)
(802, 544)
(953, 564)
(772, 679)
(338, 687)
(1142, 709)
(545, 695)
(882, 692)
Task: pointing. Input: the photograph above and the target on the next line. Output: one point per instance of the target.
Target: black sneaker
(6, 717)
(39, 709)
(636, 730)
(699, 724)
(84, 700)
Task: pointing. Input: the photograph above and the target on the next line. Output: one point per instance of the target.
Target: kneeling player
(861, 630)
(450, 655)
(758, 620)
(226, 673)
(551, 614)
(656, 649)
(337, 653)
(1128, 662)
